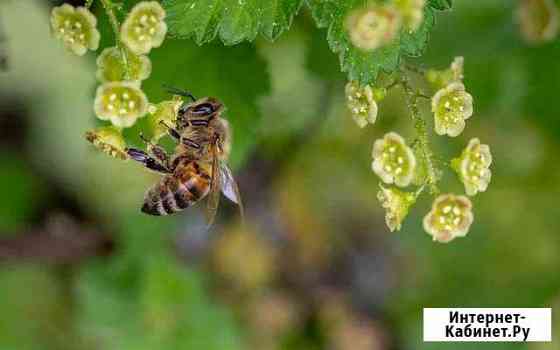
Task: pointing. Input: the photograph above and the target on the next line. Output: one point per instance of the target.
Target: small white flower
(396, 203)
(393, 161)
(538, 20)
(110, 65)
(76, 27)
(144, 27)
(162, 114)
(451, 106)
(372, 27)
(120, 102)
(473, 167)
(451, 216)
(361, 103)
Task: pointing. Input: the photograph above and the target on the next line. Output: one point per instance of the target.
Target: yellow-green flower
(538, 20)
(163, 113)
(372, 27)
(76, 27)
(361, 103)
(393, 161)
(473, 167)
(397, 203)
(451, 105)
(412, 12)
(110, 66)
(144, 27)
(451, 216)
(108, 140)
(121, 103)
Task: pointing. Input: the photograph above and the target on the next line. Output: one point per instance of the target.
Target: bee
(198, 167)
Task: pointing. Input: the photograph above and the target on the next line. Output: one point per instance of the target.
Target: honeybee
(198, 167)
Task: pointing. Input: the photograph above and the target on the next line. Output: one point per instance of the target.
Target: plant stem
(422, 132)
(109, 9)
(88, 3)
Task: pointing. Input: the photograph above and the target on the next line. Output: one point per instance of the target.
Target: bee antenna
(177, 91)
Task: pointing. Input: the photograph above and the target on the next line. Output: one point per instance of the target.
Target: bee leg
(172, 132)
(148, 161)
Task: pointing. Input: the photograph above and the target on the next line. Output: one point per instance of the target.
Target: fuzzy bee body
(186, 186)
(198, 168)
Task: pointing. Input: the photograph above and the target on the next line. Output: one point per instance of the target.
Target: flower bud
(397, 203)
(110, 66)
(108, 140)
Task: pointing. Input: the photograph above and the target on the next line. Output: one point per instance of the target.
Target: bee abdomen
(171, 195)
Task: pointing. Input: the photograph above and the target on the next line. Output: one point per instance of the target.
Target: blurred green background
(82, 268)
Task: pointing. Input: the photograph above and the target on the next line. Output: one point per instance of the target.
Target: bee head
(201, 111)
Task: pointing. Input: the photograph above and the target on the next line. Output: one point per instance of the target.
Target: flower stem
(109, 9)
(421, 131)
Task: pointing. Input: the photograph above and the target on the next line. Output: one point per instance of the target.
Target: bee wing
(229, 187)
(215, 185)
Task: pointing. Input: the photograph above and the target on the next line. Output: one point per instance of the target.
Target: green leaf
(358, 64)
(234, 20)
(441, 4)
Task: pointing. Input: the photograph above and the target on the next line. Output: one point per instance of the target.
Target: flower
(451, 105)
(76, 27)
(393, 160)
(144, 27)
(451, 216)
(538, 20)
(110, 66)
(361, 103)
(372, 27)
(473, 167)
(121, 103)
(108, 140)
(163, 113)
(412, 12)
(397, 204)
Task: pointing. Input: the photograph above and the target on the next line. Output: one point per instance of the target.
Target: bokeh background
(81, 268)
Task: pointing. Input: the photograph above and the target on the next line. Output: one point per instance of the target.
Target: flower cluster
(76, 27)
(401, 165)
(375, 26)
(473, 165)
(120, 69)
(396, 203)
(538, 20)
(362, 102)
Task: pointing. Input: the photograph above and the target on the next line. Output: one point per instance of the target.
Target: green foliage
(361, 65)
(234, 20)
(441, 4)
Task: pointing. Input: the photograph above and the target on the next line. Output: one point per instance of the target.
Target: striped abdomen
(173, 193)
